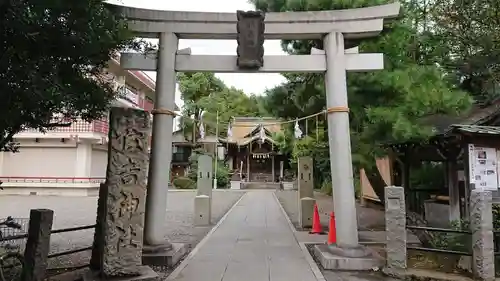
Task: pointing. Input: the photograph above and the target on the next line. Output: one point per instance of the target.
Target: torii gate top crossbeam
(353, 23)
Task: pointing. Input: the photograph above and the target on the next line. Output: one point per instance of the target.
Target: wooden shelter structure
(456, 143)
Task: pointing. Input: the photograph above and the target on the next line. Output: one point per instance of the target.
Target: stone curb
(422, 275)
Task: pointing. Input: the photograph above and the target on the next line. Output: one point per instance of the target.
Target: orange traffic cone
(332, 232)
(316, 227)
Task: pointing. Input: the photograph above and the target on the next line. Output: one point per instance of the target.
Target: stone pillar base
(168, 258)
(157, 248)
(306, 210)
(202, 210)
(289, 186)
(145, 274)
(357, 258)
(235, 184)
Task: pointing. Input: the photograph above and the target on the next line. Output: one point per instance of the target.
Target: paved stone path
(254, 242)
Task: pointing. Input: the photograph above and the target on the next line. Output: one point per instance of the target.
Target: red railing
(145, 104)
(100, 126)
(50, 180)
(96, 126)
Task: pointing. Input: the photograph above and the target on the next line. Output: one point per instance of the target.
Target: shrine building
(251, 152)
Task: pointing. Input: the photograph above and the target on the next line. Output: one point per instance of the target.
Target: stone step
(260, 185)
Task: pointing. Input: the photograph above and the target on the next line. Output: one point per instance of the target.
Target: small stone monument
(119, 239)
(305, 193)
(203, 200)
(205, 175)
(395, 227)
(481, 225)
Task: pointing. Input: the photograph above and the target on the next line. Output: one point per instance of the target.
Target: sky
(255, 83)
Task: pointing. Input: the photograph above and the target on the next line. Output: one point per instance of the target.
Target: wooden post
(38, 245)
(95, 260)
(453, 193)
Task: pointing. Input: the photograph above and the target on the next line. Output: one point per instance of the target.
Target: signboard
(250, 38)
(483, 167)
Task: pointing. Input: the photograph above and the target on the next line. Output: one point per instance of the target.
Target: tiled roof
(243, 127)
(477, 115)
(483, 130)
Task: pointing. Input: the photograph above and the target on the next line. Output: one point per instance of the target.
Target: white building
(70, 160)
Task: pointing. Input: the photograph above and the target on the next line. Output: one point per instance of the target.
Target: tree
(228, 103)
(203, 92)
(53, 54)
(194, 86)
(471, 39)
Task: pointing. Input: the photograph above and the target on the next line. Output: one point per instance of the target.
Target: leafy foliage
(207, 94)
(183, 183)
(53, 54)
(470, 35)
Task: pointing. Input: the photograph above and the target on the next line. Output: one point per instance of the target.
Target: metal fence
(445, 240)
(7, 244)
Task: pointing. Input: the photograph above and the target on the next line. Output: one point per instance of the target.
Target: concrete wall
(99, 163)
(52, 167)
(40, 162)
(437, 214)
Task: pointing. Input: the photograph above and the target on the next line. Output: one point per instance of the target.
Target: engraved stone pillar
(481, 223)
(305, 177)
(37, 245)
(395, 227)
(203, 200)
(306, 209)
(205, 175)
(122, 226)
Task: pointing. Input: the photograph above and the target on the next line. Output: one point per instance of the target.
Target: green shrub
(183, 183)
(453, 241)
(326, 187)
(223, 176)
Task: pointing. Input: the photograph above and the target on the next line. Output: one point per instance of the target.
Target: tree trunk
(378, 183)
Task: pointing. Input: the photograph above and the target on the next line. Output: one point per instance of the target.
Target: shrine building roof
(247, 129)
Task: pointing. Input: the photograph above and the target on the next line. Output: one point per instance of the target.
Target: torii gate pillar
(339, 141)
(161, 145)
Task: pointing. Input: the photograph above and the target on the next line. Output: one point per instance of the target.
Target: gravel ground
(79, 211)
(369, 219)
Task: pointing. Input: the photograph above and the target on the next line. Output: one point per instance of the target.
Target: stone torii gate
(333, 27)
